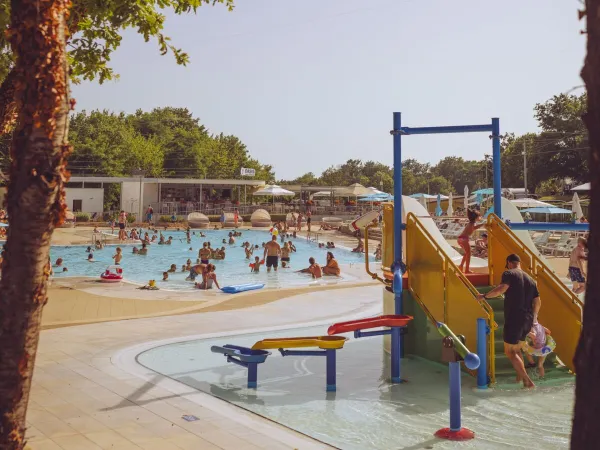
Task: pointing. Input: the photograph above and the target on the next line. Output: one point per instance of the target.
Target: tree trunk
(587, 358)
(8, 105)
(35, 197)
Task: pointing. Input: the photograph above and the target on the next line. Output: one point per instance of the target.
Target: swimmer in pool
(118, 256)
(285, 255)
(173, 268)
(314, 269)
(165, 276)
(90, 257)
(183, 268)
(58, 262)
(143, 250)
(255, 266)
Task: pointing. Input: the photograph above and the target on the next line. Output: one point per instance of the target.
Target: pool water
(232, 270)
(367, 412)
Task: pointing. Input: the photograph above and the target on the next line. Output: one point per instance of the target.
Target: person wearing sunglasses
(521, 307)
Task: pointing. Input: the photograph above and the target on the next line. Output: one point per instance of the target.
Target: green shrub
(82, 217)
(131, 218)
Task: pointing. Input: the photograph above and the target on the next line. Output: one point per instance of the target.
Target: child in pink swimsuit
(464, 239)
(540, 344)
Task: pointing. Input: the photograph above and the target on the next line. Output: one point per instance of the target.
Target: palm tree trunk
(8, 105)
(35, 197)
(587, 358)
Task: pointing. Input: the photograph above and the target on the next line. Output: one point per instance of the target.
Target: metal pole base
(397, 380)
(464, 434)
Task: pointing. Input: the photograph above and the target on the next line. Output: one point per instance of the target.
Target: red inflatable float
(113, 274)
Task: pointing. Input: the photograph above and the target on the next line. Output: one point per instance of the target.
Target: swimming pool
(366, 412)
(233, 270)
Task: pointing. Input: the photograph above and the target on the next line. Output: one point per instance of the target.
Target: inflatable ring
(544, 351)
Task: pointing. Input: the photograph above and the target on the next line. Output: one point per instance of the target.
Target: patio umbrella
(427, 196)
(438, 208)
(466, 200)
(376, 198)
(355, 190)
(486, 191)
(582, 187)
(273, 190)
(546, 210)
(450, 210)
(576, 208)
(423, 202)
(374, 191)
(323, 193)
(529, 203)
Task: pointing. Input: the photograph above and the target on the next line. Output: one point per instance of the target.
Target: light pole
(525, 167)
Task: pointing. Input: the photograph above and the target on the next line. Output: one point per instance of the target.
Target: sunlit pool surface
(231, 271)
(366, 412)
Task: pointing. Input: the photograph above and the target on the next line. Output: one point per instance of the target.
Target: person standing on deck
(521, 307)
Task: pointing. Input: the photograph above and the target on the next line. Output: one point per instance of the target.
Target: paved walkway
(89, 393)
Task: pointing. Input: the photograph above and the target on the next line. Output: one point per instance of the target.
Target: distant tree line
(558, 152)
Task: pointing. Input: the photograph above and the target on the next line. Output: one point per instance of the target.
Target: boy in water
(285, 255)
(165, 276)
(255, 266)
(118, 256)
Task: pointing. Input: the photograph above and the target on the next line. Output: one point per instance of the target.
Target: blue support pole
(398, 223)
(395, 355)
(482, 353)
(455, 423)
(252, 375)
(497, 167)
(331, 371)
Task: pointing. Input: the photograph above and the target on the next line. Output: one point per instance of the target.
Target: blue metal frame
(330, 363)
(549, 226)
(397, 132)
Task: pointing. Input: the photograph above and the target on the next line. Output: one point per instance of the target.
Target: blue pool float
(242, 288)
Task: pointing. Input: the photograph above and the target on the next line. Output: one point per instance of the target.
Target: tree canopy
(96, 27)
(165, 142)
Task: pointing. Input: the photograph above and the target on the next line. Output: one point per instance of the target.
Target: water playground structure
(430, 309)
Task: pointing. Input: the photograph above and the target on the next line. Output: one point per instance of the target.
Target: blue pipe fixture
(482, 333)
(330, 363)
(455, 431)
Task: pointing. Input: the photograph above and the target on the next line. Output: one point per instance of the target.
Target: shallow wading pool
(367, 412)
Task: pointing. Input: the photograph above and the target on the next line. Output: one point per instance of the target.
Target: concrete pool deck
(85, 397)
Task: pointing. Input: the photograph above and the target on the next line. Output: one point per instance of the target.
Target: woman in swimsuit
(464, 239)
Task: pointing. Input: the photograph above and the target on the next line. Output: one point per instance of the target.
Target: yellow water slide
(442, 290)
(561, 310)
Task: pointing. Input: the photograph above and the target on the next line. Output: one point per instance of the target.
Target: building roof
(76, 179)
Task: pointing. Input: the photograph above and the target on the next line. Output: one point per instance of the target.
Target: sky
(310, 84)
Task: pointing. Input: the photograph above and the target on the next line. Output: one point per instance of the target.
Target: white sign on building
(248, 172)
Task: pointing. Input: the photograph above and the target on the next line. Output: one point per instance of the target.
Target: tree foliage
(165, 142)
(96, 27)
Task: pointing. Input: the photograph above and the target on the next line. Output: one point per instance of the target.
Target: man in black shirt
(521, 306)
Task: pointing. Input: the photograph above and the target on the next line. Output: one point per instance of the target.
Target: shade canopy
(274, 190)
(324, 193)
(373, 191)
(376, 198)
(582, 187)
(427, 196)
(529, 203)
(355, 190)
(486, 191)
(546, 210)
